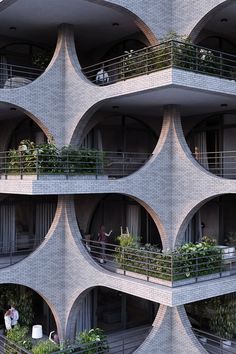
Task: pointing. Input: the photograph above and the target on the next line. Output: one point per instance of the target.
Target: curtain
(133, 220)
(84, 315)
(45, 212)
(7, 228)
(201, 149)
(193, 232)
(3, 70)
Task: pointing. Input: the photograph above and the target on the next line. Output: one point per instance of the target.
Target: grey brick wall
(171, 186)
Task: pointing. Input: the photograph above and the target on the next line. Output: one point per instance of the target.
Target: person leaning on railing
(102, 77)
(102, 236)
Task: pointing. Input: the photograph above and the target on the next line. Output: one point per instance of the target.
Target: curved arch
(137, 20)
(41, 125)
(190, 214)
(51, 306)
(80, 296)
(199, 26)
(155, 218)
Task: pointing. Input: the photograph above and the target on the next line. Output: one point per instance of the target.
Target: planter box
(135, 275)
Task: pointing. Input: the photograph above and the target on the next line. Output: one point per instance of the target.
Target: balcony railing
(166, 268)
(13, 76)
(220, 163)
(13, 252)
(8, 346)
(90, 164)
(115, 344)
(214, 344)
(169, 54)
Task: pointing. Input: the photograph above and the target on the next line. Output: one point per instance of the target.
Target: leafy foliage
(93, 341)
(47, 158)
(10, 294)
(45, 347)
(20, 335)
(187, 261)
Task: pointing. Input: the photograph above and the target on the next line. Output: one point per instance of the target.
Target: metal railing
(9, 347)
(115, 344)
(165, 55)
(13, 76)
(220, 163)
(13, 252)
(166, 268)
(79, 162)
(214, 344)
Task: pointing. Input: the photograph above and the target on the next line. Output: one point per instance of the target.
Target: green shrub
(93, 341)
(20, 336)
(187, 261)
(45, 347)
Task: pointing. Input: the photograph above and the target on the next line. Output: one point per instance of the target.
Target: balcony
(220, 163)
(214, 344)
(177, 268)
(169, 54)
(14, 76)
(86, 164)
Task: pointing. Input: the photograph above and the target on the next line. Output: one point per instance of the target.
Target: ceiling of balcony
(37, 20)
(191, 101)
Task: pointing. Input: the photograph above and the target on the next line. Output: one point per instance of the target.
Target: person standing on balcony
(7, 320)
(102, 77)
(14, 316)
(102, 238)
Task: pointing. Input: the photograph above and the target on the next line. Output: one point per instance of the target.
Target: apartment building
(121, 114)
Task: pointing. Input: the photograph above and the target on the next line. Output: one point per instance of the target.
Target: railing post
(96, 165)
(123, 164)
(172, 269)
(196, 269)
(5, 164)
(221, 65)
(21, 168)
(146, 60)
(67, 164)
(37, 163)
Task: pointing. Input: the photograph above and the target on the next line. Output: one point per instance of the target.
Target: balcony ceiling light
(13, 28)
(115, 24)
(224, 20)
(12, 109)
(224, 105)
(115, 107)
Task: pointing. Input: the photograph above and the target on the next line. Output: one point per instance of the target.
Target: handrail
(8, 346)
(164, 55)
(74, 162)
(220, 163)
(215, 343)
(123, 344)
(167, 268)
(13, 76)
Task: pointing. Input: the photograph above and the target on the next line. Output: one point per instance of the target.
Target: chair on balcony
(15, 82)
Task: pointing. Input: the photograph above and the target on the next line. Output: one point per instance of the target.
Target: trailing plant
(45, 347)
(210, 240)
(93, 341)
(231, 238)
(20, 336)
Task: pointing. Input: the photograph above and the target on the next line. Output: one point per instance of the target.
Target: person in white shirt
(14, 316)
(7, 320)
(102, 77)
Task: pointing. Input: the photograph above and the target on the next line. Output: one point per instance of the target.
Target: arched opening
(124, 318)
(214, 219)
(24, 224)
(119, 32)
(124, 137)
(32, 308)
(115, 211)
(214, 322)
(16, 126)
(216, 31)
(211, 140)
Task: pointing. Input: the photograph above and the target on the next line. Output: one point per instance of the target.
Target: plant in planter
(230, 239)
(93, 341)
(20, 336)
(45, 347)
